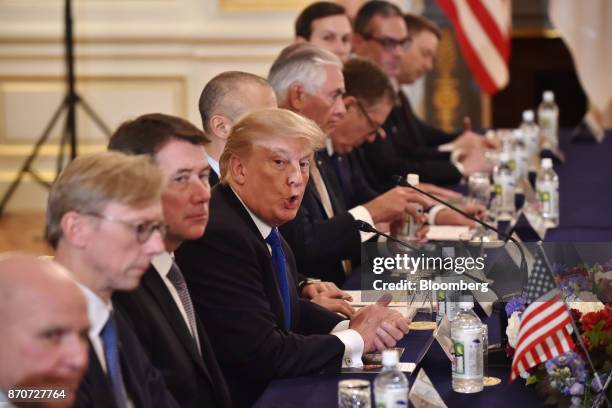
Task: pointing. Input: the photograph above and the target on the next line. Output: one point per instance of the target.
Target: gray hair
(301, 63)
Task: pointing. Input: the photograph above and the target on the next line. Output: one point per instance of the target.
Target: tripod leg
(28, 162)
(94, 116)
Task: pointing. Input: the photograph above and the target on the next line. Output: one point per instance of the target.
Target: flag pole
(573, 323)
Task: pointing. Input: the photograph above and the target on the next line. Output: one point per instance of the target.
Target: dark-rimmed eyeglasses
(376, 128)
(388, 43)
(142, 230)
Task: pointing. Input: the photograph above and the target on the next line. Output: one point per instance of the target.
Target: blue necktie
(280, 265)
(113, 366)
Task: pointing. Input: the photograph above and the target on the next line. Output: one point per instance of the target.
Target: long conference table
(585, 202)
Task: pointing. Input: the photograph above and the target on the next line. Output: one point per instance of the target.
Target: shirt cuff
(446, 147)
(362, 214)
(433, 213)
(353, 344)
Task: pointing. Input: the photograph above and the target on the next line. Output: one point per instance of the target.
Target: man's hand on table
(379, 326)
(329, 296)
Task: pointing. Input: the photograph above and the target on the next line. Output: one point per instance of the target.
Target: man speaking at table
(242, 273)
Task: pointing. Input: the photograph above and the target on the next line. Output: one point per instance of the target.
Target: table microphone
(402, 181)
(365, 227)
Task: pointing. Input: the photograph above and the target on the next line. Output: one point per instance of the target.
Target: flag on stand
(482, 28)
(546, 326)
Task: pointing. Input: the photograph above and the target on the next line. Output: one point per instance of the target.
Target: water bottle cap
(528, 116)
(547, 163)
(390, 358)
(504, 157)
(413, 179)
(548, 96)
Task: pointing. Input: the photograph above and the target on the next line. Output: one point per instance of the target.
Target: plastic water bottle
(547, 187)
(451, 300)
(505, 188)
(411, 225)
(467, 349)
(548, 119)
(531, 135)
(391, 385)
(520, 155)
(440, 296)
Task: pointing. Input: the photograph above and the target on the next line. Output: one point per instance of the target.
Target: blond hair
(268, 124)
(92, 181)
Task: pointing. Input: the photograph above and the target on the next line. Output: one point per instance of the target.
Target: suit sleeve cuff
(433, 213)
(353, 344)
(362, 214)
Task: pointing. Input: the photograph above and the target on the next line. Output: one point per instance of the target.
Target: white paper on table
(446, 232)
(423, 394)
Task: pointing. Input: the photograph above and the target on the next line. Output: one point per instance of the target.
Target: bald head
(44, 320)
(233, 94)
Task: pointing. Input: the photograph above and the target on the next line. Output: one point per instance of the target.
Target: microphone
(365, 227)
(402, 181)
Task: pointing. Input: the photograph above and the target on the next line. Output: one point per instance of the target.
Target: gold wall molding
(239, 5)
(143, 40)
(137, 57)
(446, 97)
(536, 32)
(22, 150)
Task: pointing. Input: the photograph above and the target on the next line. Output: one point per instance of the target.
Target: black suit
(235, 291)
(321, 243)
(144, 384)
(193, 380)
(213, 178)
(405, 151)
(355, 187)
(424, 134)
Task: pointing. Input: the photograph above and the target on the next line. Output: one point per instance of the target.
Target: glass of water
(479, 187)
(354, 393)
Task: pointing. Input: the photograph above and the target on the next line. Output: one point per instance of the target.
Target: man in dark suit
(411, 146)
(224, 99)
(309, 80)
(160, 309)
(38, 297)
(104, 220)
(243, 274)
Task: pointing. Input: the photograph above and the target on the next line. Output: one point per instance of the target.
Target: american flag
(546, 326)
(483, 32)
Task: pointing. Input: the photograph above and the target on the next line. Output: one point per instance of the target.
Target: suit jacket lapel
(233, 200)
(331, 182)
(158, 290)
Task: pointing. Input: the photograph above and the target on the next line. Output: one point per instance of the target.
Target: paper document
(447, 232)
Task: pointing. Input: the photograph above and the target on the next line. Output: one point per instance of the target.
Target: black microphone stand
(69, 103)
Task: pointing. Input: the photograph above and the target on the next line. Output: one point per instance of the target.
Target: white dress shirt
(353, 343)
(214, 165)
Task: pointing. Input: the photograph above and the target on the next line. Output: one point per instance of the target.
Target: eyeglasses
(143, 230)
(377, 129)
(388, 43)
